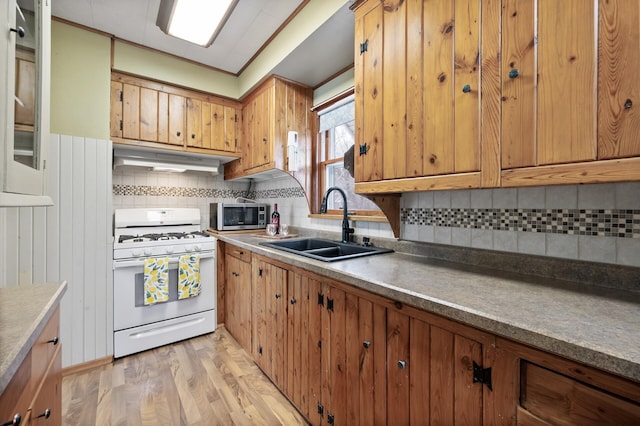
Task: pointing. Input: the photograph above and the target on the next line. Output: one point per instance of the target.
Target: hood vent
(159, 161)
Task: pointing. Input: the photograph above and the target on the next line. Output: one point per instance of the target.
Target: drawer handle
(46, 414)
(293, 301)
(17, 419)
(366, 344)
(466, 88)
(55, 340)
(278, 295)
(402, 365)
(514, 73)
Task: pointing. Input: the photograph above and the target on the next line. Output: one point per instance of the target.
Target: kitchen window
(335, 137)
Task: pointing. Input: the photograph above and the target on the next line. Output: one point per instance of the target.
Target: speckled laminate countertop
(596, 326)
(24, 311)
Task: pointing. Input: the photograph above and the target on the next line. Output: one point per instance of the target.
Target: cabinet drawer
(44, 348)
(46, 408)
(239, 253)
(558, 399)
(17, 395)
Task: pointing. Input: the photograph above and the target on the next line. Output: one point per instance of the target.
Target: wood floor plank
(208, 380)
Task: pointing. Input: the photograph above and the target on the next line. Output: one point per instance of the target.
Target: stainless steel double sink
(325, 250)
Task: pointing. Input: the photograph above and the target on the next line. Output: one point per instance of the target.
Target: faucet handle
(366, 241)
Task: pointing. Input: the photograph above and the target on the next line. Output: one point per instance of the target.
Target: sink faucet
(346, 230)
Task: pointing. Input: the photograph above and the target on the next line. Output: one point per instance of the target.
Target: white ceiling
(325, 52)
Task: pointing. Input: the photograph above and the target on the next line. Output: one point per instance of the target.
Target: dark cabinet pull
(330, 419)
(366, 344)
(193, 135)
(21, 33)
(264, 139)
(17, 419)
(514, 73)
(278, 295)
(178, 133)
(46, 414)
(466, 88)
(293, 301)
(402, 364)
(55, 340)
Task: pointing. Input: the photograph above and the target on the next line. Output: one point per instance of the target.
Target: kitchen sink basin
(325, 250)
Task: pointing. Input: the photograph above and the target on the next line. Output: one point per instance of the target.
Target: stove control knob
(135, 253)
(189, 249)
(170, 250)
(197, 247)
(147, 252)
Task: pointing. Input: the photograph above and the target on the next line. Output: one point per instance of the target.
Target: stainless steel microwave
(235, 216)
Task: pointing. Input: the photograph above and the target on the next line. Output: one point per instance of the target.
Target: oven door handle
(127, 263)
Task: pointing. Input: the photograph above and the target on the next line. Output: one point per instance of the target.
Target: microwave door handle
(173, 260)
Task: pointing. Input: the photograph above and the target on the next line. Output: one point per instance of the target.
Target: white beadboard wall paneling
(79, 241)
(25, 245)
(10, 237)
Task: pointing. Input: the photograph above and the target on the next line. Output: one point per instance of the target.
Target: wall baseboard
(86, 366)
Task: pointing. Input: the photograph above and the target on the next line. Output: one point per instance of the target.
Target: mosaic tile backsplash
(603, 223)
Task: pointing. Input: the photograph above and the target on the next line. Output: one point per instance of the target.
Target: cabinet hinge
(482, 375)
(329, 304)
(260, 350)
(320, 299)
(120, 125)
(121, 98)
(364, 149)
(260, 272)
(330, 418)
(320, 409)
(364, 46)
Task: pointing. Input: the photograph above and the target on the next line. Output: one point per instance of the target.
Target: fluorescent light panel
(196, 21)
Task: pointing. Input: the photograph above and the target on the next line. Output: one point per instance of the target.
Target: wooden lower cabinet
(538, 388)
(238, 294)
(344, 356)
(34, 394)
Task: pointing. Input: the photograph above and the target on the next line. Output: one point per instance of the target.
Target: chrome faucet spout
(346, 230)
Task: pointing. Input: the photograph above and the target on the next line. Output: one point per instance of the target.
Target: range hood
(163, 161)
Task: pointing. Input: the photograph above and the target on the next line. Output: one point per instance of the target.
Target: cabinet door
(230, 129)
(177, 108)
(419, 98)
(366, 372)
(257, 116)
(269, 293)
(618, 84)
(116, 109)
(149, 114)
(303, 345)
(238, 300)
(130, 111)
(194, 122)
(430, 373)
(47, 405)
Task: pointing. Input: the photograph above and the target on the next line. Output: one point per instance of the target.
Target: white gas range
(161, 237)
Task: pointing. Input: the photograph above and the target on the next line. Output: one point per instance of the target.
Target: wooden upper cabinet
(418, 85)
(568, 91)
(552, 98)
(269, 113)
(162, 116)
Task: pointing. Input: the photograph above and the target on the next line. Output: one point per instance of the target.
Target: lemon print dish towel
(156, 280)
(188, 276)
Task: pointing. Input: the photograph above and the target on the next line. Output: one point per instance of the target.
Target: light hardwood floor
(208, 380)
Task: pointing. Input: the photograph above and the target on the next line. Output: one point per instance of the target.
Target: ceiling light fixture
(196, 21)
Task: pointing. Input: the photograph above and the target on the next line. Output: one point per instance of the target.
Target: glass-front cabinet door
(25, 109)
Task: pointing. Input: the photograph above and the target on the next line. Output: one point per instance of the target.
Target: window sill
(357, 218)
